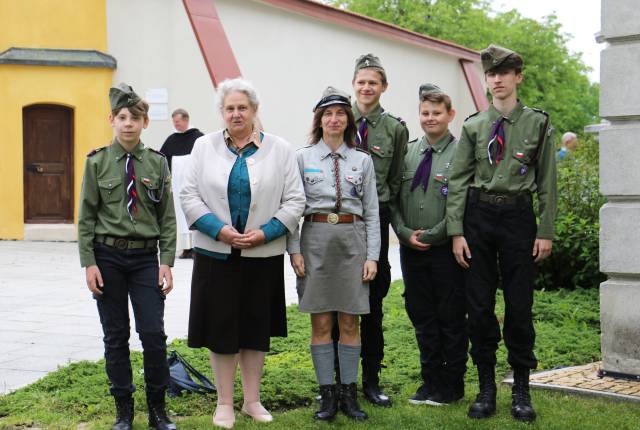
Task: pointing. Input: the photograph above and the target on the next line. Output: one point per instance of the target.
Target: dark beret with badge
(370, 61)
(496, 58)
(333, 96)
(122, 96)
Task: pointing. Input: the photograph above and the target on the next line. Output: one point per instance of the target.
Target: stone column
(620, 183)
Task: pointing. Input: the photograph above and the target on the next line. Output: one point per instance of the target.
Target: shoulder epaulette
(95, 151)
(397, 118)
(540, 111)
(414, 140)
(304, 147)
(471, 116)
(156, 151)
(362, 150)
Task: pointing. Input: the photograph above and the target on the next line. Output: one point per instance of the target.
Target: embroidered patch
(376, 148)
(444, 190)
(354, 192)
(439, 176)
(523, 170)
(519, 154)
(312, 170)
(146, 181)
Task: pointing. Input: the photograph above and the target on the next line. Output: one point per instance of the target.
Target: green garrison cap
(428, 89)
(496, 57)
(123, 96)
(370, 61)
(333, 96)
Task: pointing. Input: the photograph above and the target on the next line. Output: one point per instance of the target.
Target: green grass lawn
(76, 396)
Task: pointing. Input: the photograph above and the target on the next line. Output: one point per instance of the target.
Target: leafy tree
(555, 79)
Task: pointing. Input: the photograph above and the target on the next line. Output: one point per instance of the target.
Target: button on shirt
(420, 210)
(357, 185)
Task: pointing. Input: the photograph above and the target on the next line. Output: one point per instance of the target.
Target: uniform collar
(511, 118)
(325, 151)
(119, 151)
(255, 139)
(440, 145)
(373, 118)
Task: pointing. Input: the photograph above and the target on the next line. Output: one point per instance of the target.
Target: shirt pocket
(521, 159)
(484, 170)
(110, 190)
(382, 156)
(152, 187)
(313, 184)
(441, 184)
(355, 181)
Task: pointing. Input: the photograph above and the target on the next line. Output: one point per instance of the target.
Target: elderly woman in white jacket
(241, 196)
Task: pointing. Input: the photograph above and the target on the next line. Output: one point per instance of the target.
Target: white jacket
(276, 190)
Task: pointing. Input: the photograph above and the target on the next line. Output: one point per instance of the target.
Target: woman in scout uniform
(385, 137)
(335, 255)
(241, 195)
(505, 155)
(126, 212)
(434, 296)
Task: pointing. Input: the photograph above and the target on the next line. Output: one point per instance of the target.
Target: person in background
(433, 281)
(180, 144)
(505, 155)
(126, 213)
(569, 143)
(335, 255)
(240, 211)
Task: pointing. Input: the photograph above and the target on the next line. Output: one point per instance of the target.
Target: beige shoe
(224, 417)
(256, 411)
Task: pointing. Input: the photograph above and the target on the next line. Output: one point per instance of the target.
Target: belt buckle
(120, 243)
(333, 218)
(500, 200)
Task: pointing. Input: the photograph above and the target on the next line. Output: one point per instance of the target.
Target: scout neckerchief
(362, 136)
(132, 209)
(424, 170)
(336, 168)
(495, 148)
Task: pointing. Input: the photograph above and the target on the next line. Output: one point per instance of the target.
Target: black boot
(485, 404)
(371, 387)
(124, 413)
(521, 407)
(328, 403)
(158, 418)
(349, 404)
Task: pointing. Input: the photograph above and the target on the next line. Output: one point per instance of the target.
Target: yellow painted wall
(62, 24)
(67, 24)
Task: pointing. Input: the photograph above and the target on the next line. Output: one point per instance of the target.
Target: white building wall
(155, 47)
(289, 57)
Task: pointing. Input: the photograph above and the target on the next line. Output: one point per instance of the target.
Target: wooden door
(48, 164)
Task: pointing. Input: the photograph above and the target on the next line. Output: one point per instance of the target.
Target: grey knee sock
(323, 358)
(349, 357)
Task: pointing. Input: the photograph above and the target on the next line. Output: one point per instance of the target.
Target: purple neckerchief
(424, 170)
(495, 148)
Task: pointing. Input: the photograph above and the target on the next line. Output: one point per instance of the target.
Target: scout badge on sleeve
(180, 377)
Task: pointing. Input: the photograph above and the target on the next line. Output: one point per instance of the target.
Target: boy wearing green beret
(505, 156)
(126, 214)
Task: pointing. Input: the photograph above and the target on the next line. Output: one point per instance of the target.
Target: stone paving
(48, 318)
(585, 380)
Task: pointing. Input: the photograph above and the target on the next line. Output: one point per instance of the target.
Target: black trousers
(500, 239)
(134, 274)
(434, 300)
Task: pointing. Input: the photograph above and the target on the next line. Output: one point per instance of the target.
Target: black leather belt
(126, 243)
(499, 199)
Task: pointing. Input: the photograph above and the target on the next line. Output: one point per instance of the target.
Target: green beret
(370, 61)
(123, 96)
(333, 96)
(496, 57)
(428, 89)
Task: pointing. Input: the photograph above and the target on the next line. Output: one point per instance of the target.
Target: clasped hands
(250, 239)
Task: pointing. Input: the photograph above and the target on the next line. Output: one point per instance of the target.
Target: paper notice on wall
(157, 95)
(158, 111)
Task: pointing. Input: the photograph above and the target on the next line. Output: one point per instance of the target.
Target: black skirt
(237, 303)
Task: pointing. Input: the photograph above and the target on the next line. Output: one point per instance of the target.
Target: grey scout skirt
(334, 257)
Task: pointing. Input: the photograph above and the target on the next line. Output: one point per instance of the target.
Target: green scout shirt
(387, 140)
(420, 210)
(519, 171)
(103, 201)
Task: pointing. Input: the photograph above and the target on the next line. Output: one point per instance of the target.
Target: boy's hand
(542, 249)
(461, 251)
(94, 279)
(165, 279)
(415, 243)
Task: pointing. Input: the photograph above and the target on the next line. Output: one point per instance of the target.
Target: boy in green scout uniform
(434, 283)
(505, 155)
(126, 212)
(385, 137)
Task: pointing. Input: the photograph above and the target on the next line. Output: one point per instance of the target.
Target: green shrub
(574, 261)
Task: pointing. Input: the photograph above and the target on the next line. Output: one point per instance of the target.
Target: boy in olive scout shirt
(434, 283)
(126, 212)
(505, 155)
(385, 137)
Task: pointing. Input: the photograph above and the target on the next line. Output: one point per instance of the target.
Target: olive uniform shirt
(528, 165)
(103, 201)
(420, 210)
(387, 141)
